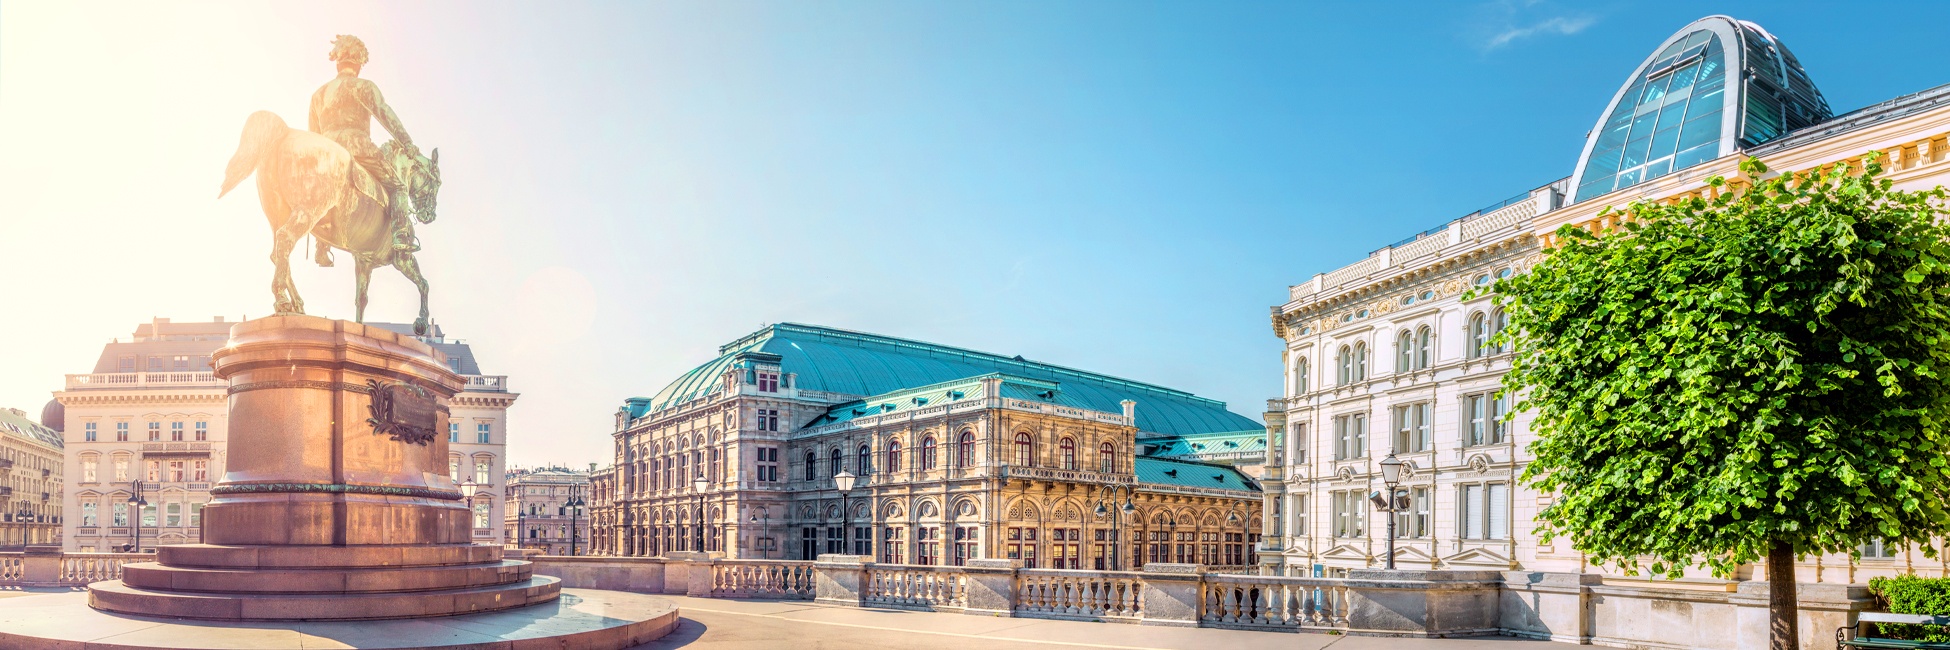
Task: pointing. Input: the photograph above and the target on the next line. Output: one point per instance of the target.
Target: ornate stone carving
(404, 411)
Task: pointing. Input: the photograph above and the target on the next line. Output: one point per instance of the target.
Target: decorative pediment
(1479, 557)
(1412, 554)
(1346, 552)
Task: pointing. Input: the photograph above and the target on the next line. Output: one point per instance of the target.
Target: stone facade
(547, 511)
(30, 482)
(948, 472)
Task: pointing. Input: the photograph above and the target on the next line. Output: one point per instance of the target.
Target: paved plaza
(719, 624)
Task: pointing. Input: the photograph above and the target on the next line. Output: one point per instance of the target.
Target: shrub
(1913, 595)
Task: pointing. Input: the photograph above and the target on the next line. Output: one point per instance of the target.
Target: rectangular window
(453, 432)
(121, 432)
(964, 544)
(1300, 443)
(768, 382)
(1351, 436)
(1476, 410)
(155, 471)
(179, 363)
(174, 518)
(1412, 427)
(125, 364)
(88, 432)
(481, 468)
(155, 432)
(928, 546)
(176, 431)
(176, 471)
(196, 514)
(1350, 513)
(200, 471)
(149, 515)
(88, 514)
(120, 515)
(1021, 545)
(863, 540)
(202, 431)
(1876, 549)
(768, 464)
(1413, 522)
(833, 542)
(121, 469)
(768, 420)
(1485, 511)
(158, 364)
(483, 432)
(88, 470)
(481, 512)
(1499, 406)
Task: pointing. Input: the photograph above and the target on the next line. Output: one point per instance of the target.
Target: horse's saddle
(363, 182)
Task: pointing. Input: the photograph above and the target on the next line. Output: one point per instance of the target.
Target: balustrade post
(1172, 594)
(840, 579)
(40, 566)
(991, 586)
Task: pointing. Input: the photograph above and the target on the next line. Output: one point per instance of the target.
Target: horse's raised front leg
(364, 274)
(411, 268)
(282, 288)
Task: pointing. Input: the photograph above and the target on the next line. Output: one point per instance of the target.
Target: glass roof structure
(1712, 88)
(859, 365)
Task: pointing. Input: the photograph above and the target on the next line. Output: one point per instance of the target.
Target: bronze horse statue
(308, 184)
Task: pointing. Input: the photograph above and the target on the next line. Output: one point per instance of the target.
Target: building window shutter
(1499, 510)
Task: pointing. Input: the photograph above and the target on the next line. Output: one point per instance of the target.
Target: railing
(142, 379)
(1504, 218)
(792, 580)
(1073, 475)
(1273, 602)
(10, 566)
(1055, 593)
(915, 587)
(488, 383)
(84, 568)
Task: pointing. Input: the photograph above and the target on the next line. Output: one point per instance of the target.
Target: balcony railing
(142, 380)
(487, 383)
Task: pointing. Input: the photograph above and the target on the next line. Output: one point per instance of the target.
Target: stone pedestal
(840, 580)
(1171, 594)
(335, 502)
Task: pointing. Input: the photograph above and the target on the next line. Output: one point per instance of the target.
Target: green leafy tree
(1757, 373)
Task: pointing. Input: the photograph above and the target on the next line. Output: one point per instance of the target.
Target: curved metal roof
(858, 364)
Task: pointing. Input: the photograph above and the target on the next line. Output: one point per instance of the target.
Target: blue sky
(1118, 186)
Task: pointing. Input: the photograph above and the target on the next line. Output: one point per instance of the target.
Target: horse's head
(421, 175)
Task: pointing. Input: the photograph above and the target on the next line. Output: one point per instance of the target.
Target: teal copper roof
(947, 392)
(859, 364)
(16, 424)
(1188, 474)
(1218, 442)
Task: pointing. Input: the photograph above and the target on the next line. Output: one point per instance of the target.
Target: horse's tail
(262, 131)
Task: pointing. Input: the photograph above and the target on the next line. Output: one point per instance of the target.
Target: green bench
(1852, 636)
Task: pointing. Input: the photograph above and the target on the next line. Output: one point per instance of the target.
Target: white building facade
(1391, 354)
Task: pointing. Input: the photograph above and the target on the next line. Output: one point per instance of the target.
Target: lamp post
(467, 490)
(764, 528)
(698, 485)
(137, 503)
(1391, 476)
(575, 515)
(844, 482)
(1116, 520)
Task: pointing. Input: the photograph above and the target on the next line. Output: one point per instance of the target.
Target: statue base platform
(580, 618)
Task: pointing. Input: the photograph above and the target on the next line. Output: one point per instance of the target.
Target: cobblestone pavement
(717, 624)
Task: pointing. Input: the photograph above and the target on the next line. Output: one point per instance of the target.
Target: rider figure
(343, 110)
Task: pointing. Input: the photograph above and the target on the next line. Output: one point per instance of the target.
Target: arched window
(1361, 361)
(656, 469)
(967, 454)
(1479, 335)
(1498, 320)
(866, 461)
(1424, 346)
(812, 464)
(1404, 351)
(1106, 458)
(894, 456)
(839, 461)
(1346, 362)
(1069, 449)
(927, 453)
(1300, 376)
(1025, 450)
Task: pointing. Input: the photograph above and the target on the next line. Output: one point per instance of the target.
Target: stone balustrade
(784, 579)
(48, 566)
(915, 587)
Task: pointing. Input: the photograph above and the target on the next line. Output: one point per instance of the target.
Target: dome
(54, 415)
(1712, 88)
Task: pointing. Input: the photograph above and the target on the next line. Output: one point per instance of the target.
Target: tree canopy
(1757, 369)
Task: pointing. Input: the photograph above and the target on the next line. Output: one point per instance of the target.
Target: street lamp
(467, 490)
(763, 528)
(137, 503)
(698, 485)
(1117, 516)
(575, 514)
(1391, 475)
(844, 482)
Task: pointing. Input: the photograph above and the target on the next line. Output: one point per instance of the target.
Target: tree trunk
(1783, 610)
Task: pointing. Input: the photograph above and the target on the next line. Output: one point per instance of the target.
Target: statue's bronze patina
(333, 183)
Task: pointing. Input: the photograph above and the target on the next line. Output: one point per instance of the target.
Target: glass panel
(1628, 178)
(1642, 126)
(1657, 169)
(1671, 117)
(1635, 151)
(1662, 143)
(1594, 187)
(1683, 79)
(1704, 129)
(1654, 89)
(1614, 135)
(1602, 162)
(1696, 155)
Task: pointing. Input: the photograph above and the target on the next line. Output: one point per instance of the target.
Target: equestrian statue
(331, 182)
